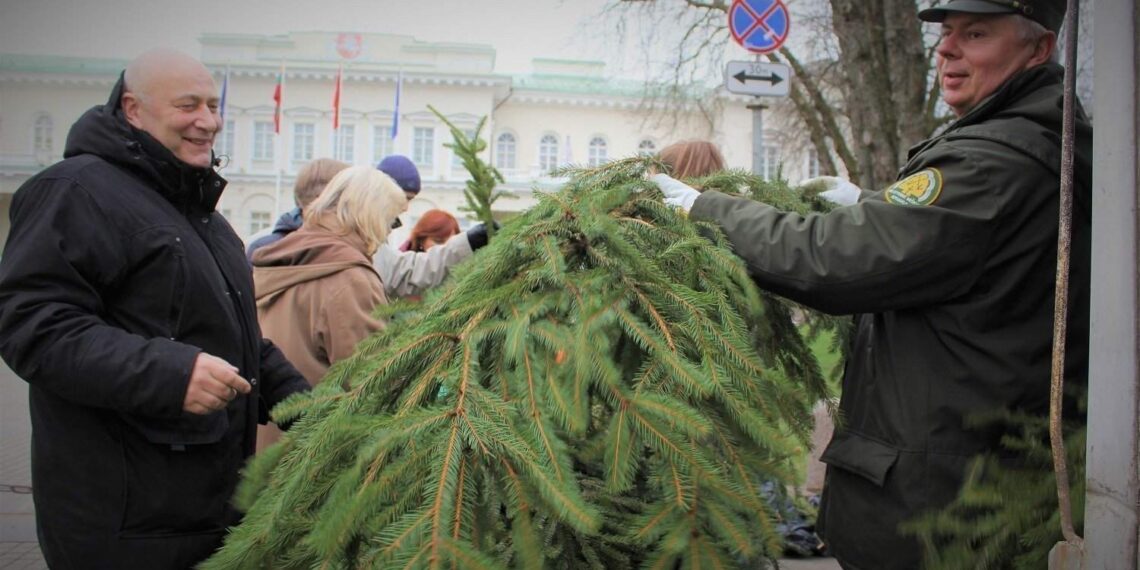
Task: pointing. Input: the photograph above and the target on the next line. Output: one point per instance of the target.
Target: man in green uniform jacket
(953, 269)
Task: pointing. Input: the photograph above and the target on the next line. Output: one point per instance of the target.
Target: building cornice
(356, 73)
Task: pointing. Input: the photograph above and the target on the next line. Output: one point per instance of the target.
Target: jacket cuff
(180, 358)
(705, 207)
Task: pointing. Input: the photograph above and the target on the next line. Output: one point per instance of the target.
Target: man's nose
(208, 119)
(947, 46)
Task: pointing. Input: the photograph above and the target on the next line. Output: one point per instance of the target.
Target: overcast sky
(519, 29)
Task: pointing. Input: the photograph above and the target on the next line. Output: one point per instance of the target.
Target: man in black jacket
(951, 270)
(127, 304)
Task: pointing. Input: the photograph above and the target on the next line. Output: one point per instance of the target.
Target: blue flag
(396, 111)
(225, 88)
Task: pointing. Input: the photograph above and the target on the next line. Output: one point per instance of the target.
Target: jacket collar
(104, 131)
(1011, 92)
(1007, 96)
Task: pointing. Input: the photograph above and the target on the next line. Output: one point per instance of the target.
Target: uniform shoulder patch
(919, 189)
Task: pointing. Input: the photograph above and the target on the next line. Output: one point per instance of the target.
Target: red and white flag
(336, 99)
(278, 95)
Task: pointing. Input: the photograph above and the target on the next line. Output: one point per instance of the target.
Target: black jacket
(117, 273)
(954, 266)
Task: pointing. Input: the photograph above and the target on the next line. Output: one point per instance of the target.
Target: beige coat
(315, 295)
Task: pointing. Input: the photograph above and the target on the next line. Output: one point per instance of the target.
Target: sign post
(759, 26)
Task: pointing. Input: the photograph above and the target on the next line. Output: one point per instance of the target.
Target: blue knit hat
(401, 169)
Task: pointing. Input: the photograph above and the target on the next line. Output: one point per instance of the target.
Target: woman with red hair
(434, 228)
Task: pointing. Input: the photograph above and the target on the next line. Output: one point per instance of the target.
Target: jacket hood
(302, 256)
(289, 222)
(1036, 95)
(103, 131)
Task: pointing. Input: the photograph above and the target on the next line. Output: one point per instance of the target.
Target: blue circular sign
(759, 26)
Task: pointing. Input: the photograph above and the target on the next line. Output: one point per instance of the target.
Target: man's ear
(131, 109)
(1043, 49)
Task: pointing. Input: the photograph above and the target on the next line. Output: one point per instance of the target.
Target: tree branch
(824, 111)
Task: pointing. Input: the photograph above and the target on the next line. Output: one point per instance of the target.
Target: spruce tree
(1006, 514)
(602, 386)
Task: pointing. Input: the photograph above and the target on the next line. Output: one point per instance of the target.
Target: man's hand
(213, 384)
(839, 191)
(677, 193)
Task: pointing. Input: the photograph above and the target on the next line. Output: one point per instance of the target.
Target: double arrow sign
(744, 78)
(757, 78)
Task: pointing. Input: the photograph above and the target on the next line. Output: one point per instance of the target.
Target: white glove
(839, 191)
(677, 193)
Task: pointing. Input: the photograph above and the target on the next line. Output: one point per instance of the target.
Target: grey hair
(1031, 32)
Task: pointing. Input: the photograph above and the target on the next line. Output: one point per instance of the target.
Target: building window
(41, 135)
(304, 139)
(423, 146)
(344, 143)
(505, 151)
(597, 153)
(224, 145)
(258, 221)
(769, 162)
(646, 147)
(263, 140)
(381, 143)
(456, 162)
(548, 153)
(812, 163)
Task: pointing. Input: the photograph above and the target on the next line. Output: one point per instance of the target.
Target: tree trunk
(882, 56)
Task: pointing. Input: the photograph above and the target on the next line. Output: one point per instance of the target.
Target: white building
(563, 112)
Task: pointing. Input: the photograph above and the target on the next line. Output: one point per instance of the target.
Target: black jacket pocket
(189, 429)
(863, 456)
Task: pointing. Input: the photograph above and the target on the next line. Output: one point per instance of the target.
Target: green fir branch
(603, 386)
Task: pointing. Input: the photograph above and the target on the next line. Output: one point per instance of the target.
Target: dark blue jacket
(288, 223)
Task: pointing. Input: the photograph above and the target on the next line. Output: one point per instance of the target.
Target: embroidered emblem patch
(919, 189)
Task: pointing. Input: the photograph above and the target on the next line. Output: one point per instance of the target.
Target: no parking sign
(759, 26)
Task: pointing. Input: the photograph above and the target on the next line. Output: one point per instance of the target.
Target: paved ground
(18, 548)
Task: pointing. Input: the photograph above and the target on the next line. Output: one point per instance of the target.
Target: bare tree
(865, 94)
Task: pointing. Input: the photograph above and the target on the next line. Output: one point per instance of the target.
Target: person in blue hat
(410, 273)
(951, 271)
(404, 273)
(404, 172)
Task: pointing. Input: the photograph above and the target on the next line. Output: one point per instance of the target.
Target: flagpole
(222, 114)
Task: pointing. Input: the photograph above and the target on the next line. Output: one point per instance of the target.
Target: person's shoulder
(77, 169)
(74, 177)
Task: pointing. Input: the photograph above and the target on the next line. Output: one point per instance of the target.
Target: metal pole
(1112, 512)
(1061, 300)
(758, 136)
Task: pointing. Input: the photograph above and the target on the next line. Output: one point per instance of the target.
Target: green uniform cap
(1048, 13)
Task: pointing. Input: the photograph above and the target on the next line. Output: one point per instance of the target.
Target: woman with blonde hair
(316, 288)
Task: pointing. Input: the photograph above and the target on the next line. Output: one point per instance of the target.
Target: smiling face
(173, 98)
(978, 53)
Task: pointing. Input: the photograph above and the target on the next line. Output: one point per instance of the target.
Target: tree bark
(882, 56)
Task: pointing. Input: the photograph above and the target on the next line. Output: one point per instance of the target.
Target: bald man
(126, 303)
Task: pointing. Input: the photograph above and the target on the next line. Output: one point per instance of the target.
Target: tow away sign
(757, 78)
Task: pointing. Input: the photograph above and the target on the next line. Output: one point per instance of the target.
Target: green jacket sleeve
(875, 255)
